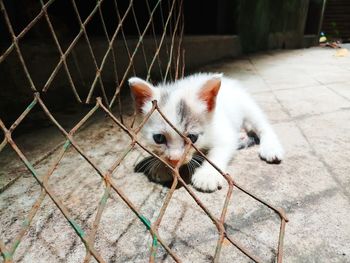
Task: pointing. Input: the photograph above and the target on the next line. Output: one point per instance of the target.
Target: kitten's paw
(271, 151)
(207, 180)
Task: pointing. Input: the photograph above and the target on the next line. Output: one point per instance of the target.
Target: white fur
(234, 109)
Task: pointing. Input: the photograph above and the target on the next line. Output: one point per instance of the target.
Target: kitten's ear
(141, 90)
(210, 90)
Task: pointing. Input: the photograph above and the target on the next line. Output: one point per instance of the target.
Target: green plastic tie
(7, 255)
(15, 245)
(66, 144)
(77, 228)
(31, 168)
(146, 222)
(155, 244)
(31, 105)
(155, 240)
(25, 222)
(105, 197)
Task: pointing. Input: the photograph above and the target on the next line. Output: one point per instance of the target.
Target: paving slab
(342, 89)
(272, 108)
(311, 100)
(332, 145)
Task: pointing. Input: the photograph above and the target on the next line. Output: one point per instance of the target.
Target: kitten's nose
(173, 163)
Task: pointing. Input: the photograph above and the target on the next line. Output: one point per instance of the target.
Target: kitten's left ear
(141, 90)
(209, 91)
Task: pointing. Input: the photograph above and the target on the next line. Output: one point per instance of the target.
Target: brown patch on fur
(142, 93)
(209, 92)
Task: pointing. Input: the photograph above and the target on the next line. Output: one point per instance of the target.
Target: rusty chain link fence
(156, 41)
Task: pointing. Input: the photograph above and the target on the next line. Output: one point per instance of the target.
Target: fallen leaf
(343, 52)
(226, 242)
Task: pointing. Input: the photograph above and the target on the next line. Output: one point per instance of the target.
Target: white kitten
(209, 109)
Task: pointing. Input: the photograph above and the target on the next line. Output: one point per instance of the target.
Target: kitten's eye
(193, 137)
(159, 138)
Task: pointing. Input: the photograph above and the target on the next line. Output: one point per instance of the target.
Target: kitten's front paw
(271, 151)
(207, 180)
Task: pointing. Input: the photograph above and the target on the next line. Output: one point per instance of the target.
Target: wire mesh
(170, 40)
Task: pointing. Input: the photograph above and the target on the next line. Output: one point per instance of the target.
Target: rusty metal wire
(173, 29)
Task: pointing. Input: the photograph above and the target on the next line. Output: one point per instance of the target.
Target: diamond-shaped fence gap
(214, 201)
(129, 25)
(123, 110)
(38, 48)
(102, 54)
(108, 80)
(99, 43)
(153, 37)
(64, 22)
(120, 41)
(175, 68)
(137, 61)
(157, 61)
(127, 104)
(63, 89)
(171, 27)
(163, 27)
(13, 84)
(110, 22)
(123, 51)
(156, 52)
(140, 10)
(121, 236)
(10, 166)
(21, 15)
(188, 230)
(169, 234)
(19, 191)
(36, 136)
(60, 89)
(45, 242)
(79, 188)
(146, 196)
(5, 36)
(6, 151)
(247, 221)
(67, 112)
(81, 66)
(158, 21)
(262, 183)
(104, 142)
(85, 8)
(110, 17)
(142, 26)
(108, 55)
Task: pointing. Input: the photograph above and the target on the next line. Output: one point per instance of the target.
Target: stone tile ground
(306, 95)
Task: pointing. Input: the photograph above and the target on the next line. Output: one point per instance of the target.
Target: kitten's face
(165, 141)
(188, 109)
